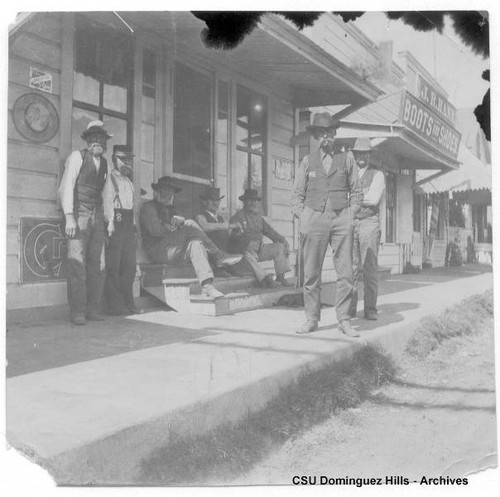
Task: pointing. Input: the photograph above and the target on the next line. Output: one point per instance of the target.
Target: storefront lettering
(437, 101)
(426, 124)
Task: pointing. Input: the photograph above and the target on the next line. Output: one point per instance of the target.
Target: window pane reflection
(80, 120)
(241, 172)
(256, 172)
(85, 89)
(192, 123)
(115, 98)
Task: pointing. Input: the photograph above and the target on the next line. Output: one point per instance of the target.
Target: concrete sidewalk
(96, 421)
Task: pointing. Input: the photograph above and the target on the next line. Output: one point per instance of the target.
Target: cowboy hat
(250, 194)
(362, 145)
(122, 150)
(322, 120)
(164, 182)
(95, 127)
(211, 193)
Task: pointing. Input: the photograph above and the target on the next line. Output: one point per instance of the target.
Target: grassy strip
(234, 449)
(461, 319)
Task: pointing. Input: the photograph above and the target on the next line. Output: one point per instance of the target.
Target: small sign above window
(40, 80)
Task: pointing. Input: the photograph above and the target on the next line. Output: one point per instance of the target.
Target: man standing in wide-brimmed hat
(80, 194)
(367, 230)
(169, 238)
(249, 241)
(325, 196)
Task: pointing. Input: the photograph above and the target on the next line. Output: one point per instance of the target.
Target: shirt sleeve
(355, 190)
(66, 188)
(373, 194)
(108, 197)
(298, 193)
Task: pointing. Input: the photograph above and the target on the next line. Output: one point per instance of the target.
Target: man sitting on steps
(170, 238)
(249, 241)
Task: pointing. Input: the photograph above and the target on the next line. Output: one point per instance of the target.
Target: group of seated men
(214, 246)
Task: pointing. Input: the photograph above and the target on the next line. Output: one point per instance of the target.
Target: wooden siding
(32, 169)
(390, 256)
(282, 124)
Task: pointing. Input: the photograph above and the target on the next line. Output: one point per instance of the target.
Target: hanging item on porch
(283, 169)
(43, 248)
(40, 80)
(35, 117)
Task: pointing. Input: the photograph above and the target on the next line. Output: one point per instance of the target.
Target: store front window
(193, 96)
(251, 129)
(102, 82)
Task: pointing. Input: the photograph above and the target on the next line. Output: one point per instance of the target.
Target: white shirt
(373, 194)
(123, 199)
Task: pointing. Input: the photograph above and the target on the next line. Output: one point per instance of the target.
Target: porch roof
(473, 175)
(275, 52)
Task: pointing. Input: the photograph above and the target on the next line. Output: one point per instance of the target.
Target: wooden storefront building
(207, 117)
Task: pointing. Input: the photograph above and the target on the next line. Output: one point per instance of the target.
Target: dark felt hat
(164, 182)
(211, 193)
(250, 194)
(123, 149)
(321, 121)
(95, 127)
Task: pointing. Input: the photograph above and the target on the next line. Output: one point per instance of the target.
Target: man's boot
(280, 278)
(268, 282)
(222, 259)
(346, 328)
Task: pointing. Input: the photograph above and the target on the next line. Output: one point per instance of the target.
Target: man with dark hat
(211, 222)
(168, 237)
(249, 241)
(367, 231)
(325, 197)
(80, 194)
(121, 265)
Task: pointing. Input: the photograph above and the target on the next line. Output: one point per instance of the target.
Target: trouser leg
(314, 249)
(275, 252)
(369, 243)
(128, 267)
(112, 286)
(194, 232)
(341, 240)
(356, 269)
(95, 264)
(196, 253)
(76, 269)
(252, 258)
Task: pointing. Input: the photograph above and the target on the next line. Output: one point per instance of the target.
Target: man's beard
(96, 149)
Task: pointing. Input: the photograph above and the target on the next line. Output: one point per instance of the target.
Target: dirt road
(437, 419)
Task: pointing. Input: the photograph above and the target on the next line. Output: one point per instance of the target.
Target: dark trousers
(120, 267)
(85, 264)
(319, 230)
(366, 240)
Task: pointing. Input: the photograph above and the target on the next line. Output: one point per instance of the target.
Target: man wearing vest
(249, 241)
(325, 196)
(169, 238)
(118, 194)
(219, 230)
(367, 231)
(80, 194)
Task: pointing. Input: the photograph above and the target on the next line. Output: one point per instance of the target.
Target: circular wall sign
(35, 117)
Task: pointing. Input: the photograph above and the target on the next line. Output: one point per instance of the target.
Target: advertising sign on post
(427, 125)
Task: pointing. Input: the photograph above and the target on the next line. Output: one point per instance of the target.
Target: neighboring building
(465, 216)
(205, 116)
